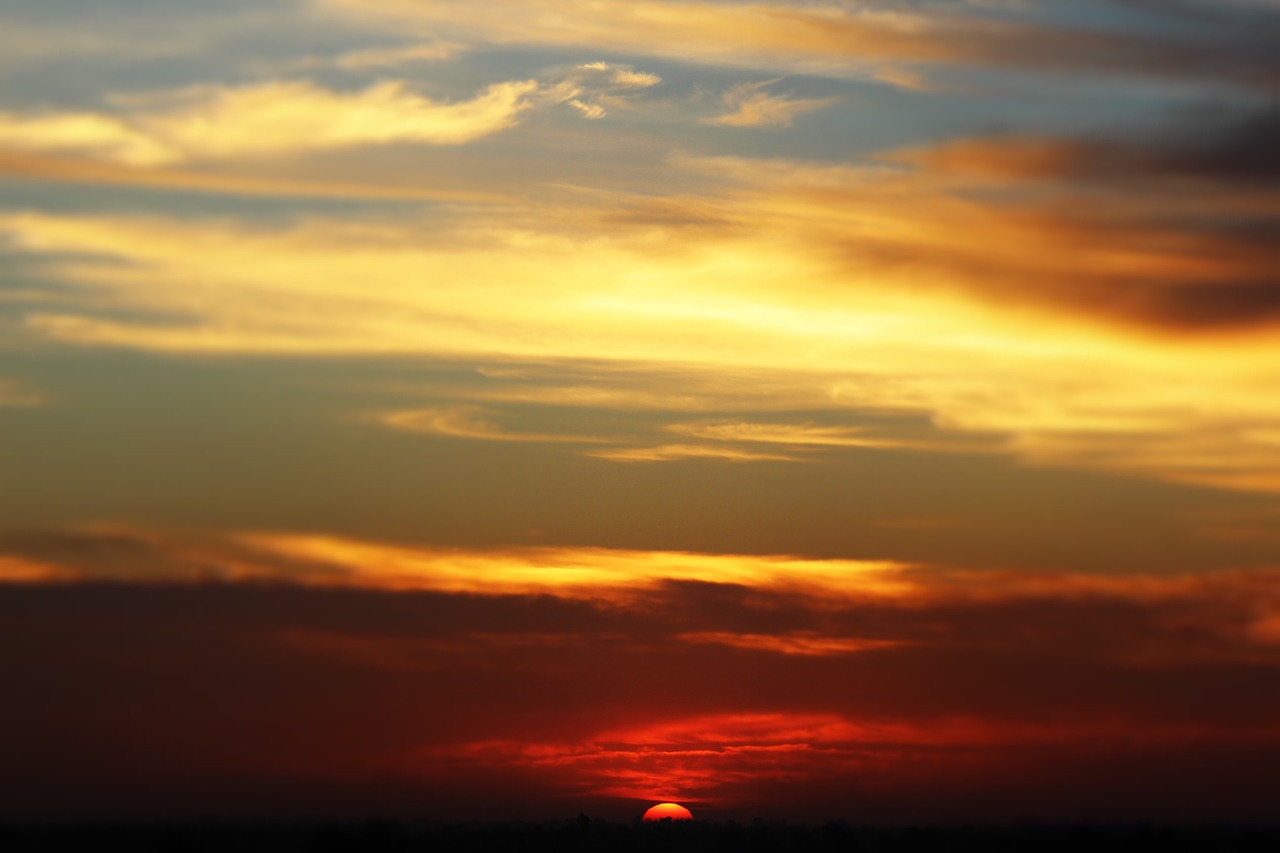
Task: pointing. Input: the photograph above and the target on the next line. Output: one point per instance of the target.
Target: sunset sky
(795, 409)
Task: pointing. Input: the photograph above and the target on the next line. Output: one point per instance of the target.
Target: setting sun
(668, 811)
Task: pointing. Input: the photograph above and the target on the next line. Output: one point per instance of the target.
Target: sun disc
(668, 811)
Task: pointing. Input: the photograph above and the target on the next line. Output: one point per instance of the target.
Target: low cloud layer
(707, 687)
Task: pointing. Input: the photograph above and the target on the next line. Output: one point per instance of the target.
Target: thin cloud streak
(819, 39)
(750, 106)
(679, 452)
(466, 421)
(265, 119)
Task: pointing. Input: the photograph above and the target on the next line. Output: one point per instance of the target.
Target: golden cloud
(267, 118)
(466, 421)
(846, 287)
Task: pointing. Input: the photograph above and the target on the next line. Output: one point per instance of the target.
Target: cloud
(77, 170)
(466, 421)
(268, 119)
(720, 758)
(82, 133)
(389, 57)
(724, 678)
(1017, 315)
(804, 643)
(904, 79)
(678, 452)
(751, 106)
(825, 39)
(1217, 151)
(592, 111)
(205, 123)
(593, 87)
(623, 76)
(796, 435)
(122, 553)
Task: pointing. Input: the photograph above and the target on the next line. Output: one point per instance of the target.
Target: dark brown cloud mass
(1171, 228)
(991, 696)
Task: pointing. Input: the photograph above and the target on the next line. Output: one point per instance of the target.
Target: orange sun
(668, 811)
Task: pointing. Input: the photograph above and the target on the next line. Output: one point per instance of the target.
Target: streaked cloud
(76, 170)
(795, 283)
(677, 452)
(804, 643)
(825, 39)
(386, 57)
(82, 133)
(898, 678)
(751, 106)
(904, 79)
(268, 118)
(466, 421)
(330, 328)
(128, 554)
(798, 435)
(623, 76)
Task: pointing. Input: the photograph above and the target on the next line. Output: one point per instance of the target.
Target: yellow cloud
(592, 111)
(77, 170)
(676, 452)
(568, 572)
(268, 118)
(89, 134)
(860, 287)
(798, 435)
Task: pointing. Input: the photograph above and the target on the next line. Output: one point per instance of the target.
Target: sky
(795, 409)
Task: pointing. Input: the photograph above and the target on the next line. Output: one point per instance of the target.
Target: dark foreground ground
(571, 836)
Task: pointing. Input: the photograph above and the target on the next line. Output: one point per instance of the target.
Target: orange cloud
(570, 572)
(22, 570)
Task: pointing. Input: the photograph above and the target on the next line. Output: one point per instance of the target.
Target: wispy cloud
(796, 435)
(677, 452)
(805, 644)
(266, 119)
(826, 39)
(394, 56)
(751, 106)
(466, 421)
(861, 284)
